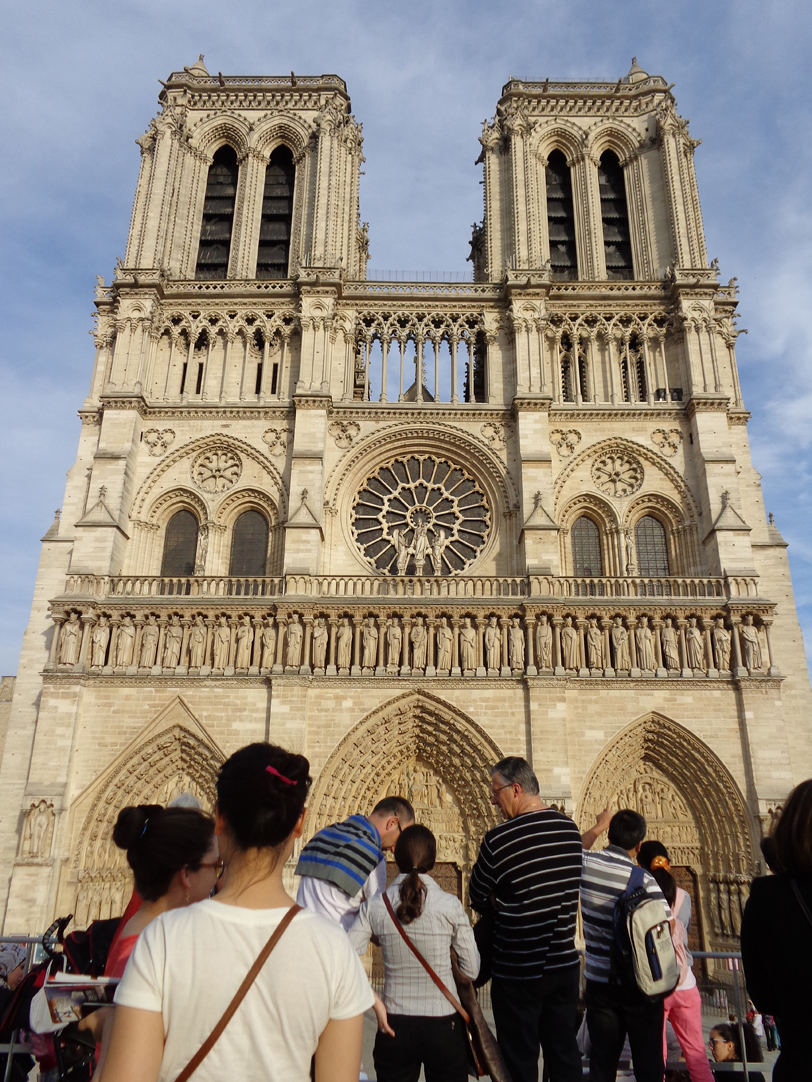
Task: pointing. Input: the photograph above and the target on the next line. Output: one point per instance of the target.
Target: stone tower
(407, 528)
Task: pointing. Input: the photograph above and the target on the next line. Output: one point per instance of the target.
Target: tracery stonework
(617, 475)
(216, 471)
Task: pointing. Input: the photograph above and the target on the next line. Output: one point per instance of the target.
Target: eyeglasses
(218, 865)
(716, 1040)
(495, 792)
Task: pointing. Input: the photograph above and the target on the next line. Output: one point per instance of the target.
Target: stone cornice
(636, 411)
(706, 403)
(411, 413)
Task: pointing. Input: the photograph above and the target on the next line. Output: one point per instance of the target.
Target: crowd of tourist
(200, 995)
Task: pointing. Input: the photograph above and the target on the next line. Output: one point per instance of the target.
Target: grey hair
(517, 771)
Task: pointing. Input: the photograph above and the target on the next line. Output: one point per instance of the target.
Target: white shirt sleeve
(352, 994)
(376, 882)
(361, 931)
(142, 983)
(464, 943)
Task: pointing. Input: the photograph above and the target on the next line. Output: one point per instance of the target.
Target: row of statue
(390, 644)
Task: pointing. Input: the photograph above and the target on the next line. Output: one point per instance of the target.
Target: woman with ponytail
(427, 1030)
(272, 984)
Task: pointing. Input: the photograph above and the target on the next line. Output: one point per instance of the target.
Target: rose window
(216, 471)
(421, 515)
(617, 475)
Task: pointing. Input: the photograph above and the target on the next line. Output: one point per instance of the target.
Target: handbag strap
(458, 1007)
(796, 891)
(239, 996)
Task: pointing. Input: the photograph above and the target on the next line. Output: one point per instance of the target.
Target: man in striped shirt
(614, 1009)
(527, 876)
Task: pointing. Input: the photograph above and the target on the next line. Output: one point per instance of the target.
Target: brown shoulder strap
(458, 1007)
(239, 996)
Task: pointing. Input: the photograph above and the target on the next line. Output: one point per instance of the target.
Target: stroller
(68, 1055)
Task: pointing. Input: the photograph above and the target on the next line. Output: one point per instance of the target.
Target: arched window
(586, 548)
(277, 213)
(218, 216)
(249, 545)
(652, 549)
(180, 545)
(560, 218)
(615, 217)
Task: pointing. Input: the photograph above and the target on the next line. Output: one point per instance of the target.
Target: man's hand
(589, 837)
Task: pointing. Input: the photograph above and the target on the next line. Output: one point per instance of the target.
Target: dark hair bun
(262, 805)
(130, 824)
(159, 842)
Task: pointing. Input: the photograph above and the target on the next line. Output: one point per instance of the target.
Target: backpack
(644, 955)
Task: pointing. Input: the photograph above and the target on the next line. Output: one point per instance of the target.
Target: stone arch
(692, 803)
(419, 732)
(602, 514)
(177, 499)
(281, 129)
(614, 135)
(562, 136)
(212, 134)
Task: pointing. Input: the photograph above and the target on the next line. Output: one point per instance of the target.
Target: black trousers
(611, 1013)
(438, 1044)
(534, 1013)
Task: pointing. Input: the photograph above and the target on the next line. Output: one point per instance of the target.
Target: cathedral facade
(407, 528)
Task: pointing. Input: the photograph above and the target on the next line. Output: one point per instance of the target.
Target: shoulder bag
(800, 900)
(239, 996)
(484, 1056)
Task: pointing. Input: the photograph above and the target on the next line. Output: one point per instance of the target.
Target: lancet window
(633, 379)
(652, 549)
(249, 545)
(615, 218)
(180, 545)
(277, 215)
(586, 548)
(218, 216)
(573, 370)
(560, 218)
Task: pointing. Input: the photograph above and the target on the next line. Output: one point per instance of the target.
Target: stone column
(158, 667)
(139, 621)
(406, 626)
(332, 623)
(257, 658)
(304, 668)
(658, 648)
(356, 645)
(687, 671)
(773, 669)
(707, 625)
(559, 669)
(232, 645)
(530, 627)
(112, 646)
(431, 669)
(88, 622)
(455, 656)
(503, 624)
(381, 669)
(54, 652)
(580, 623)
(205, 668)
(281, 624)
(480, 647)
(631, 627)
(606, 624)
(738, 669)
(183, 666)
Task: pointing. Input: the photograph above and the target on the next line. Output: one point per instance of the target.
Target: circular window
(421, 515)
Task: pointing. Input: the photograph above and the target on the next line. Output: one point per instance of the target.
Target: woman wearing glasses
(725, 1047)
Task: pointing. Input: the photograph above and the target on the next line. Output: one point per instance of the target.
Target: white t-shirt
(189, 962)
(331, 901)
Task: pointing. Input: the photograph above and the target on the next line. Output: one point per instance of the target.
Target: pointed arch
(209, 136)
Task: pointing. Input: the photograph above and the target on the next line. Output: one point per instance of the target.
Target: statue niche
(38, 830)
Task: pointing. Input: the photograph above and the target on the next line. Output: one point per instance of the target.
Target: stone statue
(493, 644)
(645, 646)
(569, 645)
(467, 646)
(99, 641)
(69, 640)
(594, 645)
(721, 643)
(516, 645)
(197, 643)
(544, 643)
(222, 643)
(125, 644)
(631, 563)
(37, 830)
(402, 549)
(437, 546)
(173, 643)
(320, 637)
(344, 644)
(751, 645)
(420, 547)
(695, 645)
(419, 642)
(394, 643)
(149, 643)
(245, 639)
(445, 643)
(620, 645)
(293, 657)
(269, 646)
(668, 637)
(370, 641)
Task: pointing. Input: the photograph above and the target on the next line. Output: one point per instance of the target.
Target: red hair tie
(276, 774)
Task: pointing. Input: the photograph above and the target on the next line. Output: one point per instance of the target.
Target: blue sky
(80, 82)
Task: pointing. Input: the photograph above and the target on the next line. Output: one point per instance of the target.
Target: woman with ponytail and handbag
(428, 1031)
(246, 984)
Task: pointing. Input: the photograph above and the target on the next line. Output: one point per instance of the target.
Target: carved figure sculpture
(268, 646)
(631, 564)
(695, 645)
(149, 643)
(245, 638)
(445, 642)
(437, 546)
(126, 643)
(370, 641)
(645, 645)
(544, 643)
(516, 645)
(69, 640)
(394, 643)
(99, 641)
(493, 644)
(751, 645)
(197, 643)
(222, 642)
(402, 549)
(293, 656)
(668, 637)
(420, 547)
(569, 646)
(344, 644)
(419, 640)
(467, 646)
(172, 645)
(594, 645)
(721, 644)
(36, 834)
(320, 637)
(620, 645)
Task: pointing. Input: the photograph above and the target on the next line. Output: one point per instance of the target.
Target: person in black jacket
(776, 936)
